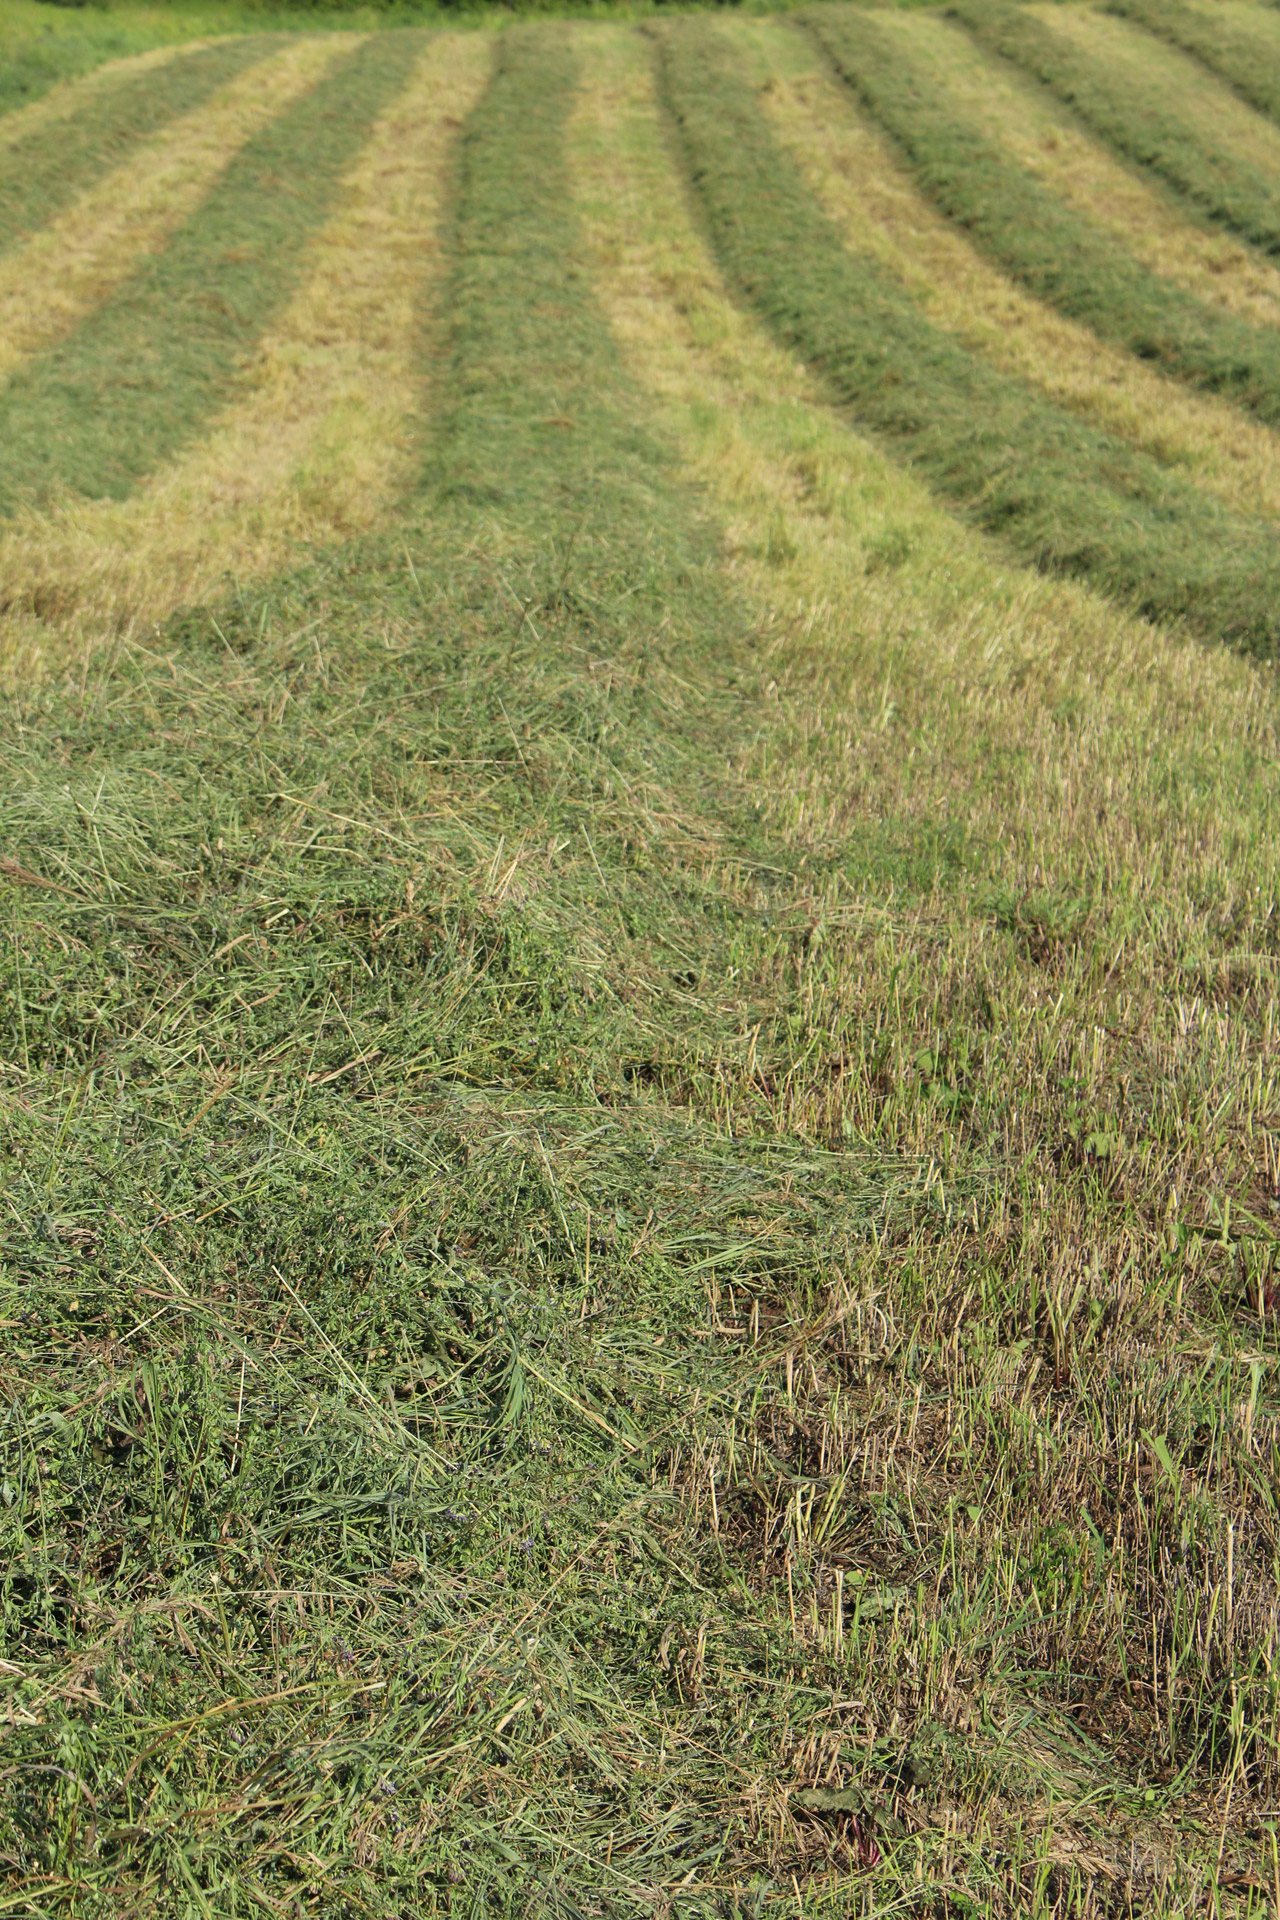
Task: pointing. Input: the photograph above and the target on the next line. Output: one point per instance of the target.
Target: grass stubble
(612, 1133)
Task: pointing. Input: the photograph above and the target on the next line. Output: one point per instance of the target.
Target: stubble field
(640, 1165)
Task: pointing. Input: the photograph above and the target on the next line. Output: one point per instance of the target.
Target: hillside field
(639, 926)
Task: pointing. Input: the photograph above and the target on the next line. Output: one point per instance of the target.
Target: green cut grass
(429, 1277)
(42, 173)
(1067, 496)
(42, 47)
(1125, 112)
(143, 372)
(1249, 62)
(1059, 254)
(637, 1162)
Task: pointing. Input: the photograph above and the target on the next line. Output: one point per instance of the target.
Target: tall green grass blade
(1126, 113)
(1065, 495)
(1059, 254)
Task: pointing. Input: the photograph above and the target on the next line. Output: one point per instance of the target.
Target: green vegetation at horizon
(1058, 253)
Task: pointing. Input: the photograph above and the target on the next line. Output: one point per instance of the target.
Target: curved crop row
(1056, 251)
(144, 371)
(1247, 61)
(44, 173)
(321, 439)
(1126, 110)
(1068, 497)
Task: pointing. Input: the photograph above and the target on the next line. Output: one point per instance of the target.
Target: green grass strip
(32, 62)
(1070, 498)
(1127, 114)
(1245, 62)
(139, 377)
(1062, 256)
(48, 168)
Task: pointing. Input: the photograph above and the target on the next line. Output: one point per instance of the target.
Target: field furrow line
(875, 203)
(1063, 493)
(66, 269)
(1038, 134)
(1151, 103)
(321, 439)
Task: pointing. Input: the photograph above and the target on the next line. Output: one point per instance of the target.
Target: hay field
(639, 1049)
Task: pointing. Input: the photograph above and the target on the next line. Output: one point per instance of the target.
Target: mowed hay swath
(875, 203)
(1072, 498)
(1241, 44)
(1152, 103)
(638, 1271)
(1042, 136)
(1044, 243)
(100, 124)
(66, 268)
(321, 439)
(140, 376)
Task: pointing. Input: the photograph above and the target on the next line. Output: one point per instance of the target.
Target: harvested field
(638, 1016)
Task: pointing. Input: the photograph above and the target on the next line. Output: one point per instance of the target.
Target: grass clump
(1119, 102)
(142, 373)
(1066, 495)
(1055, 251)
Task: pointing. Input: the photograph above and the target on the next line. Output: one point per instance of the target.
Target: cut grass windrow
(140, 375)
(322, 440)
(104, 123)
(625, 1156)
(69, 266)
(1067, 496)
(1054, 250)
(426, 1335)
(1242, 51)
(1153, 117)
(45, 73)
(872, 197)
(1050, 142)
